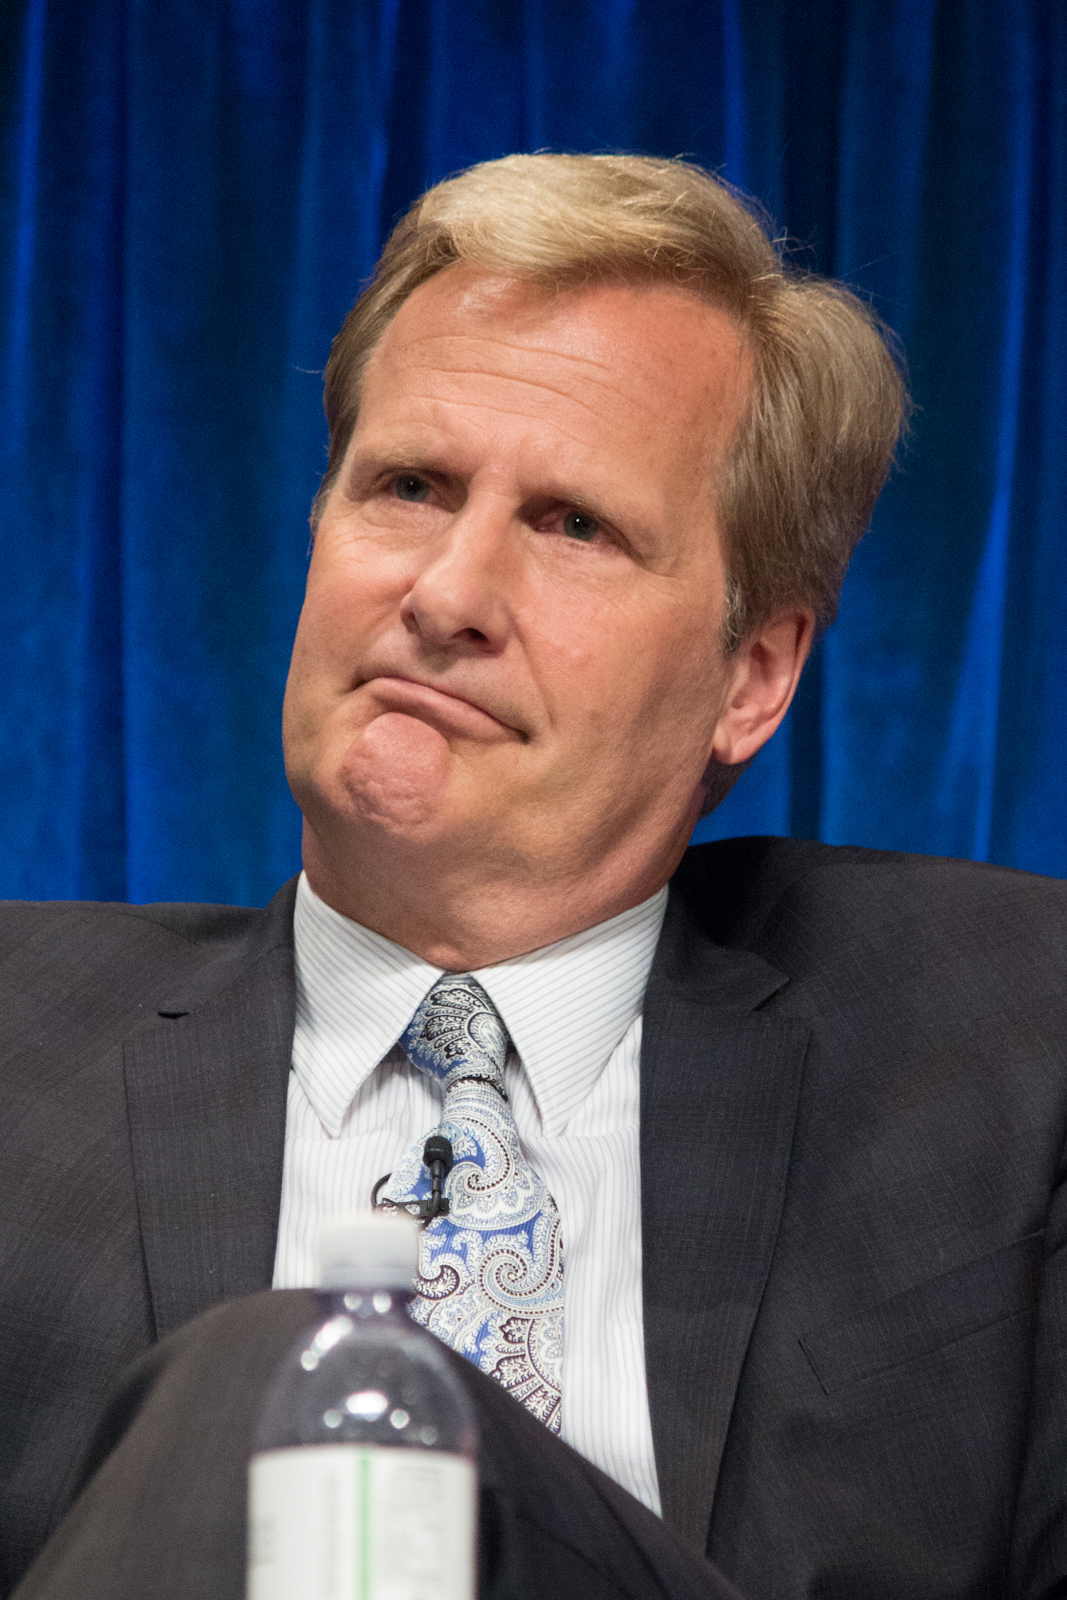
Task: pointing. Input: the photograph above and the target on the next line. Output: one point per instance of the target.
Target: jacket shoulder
(25, 920)
(102, 966)
(737, 889)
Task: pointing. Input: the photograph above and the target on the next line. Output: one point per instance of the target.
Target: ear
(766, 671)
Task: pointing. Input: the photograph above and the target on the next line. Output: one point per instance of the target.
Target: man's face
(509, 649)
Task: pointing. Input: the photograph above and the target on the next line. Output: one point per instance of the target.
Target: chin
(397, 809)
(394, 776)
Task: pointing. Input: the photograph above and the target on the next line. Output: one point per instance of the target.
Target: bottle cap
(376, 1250)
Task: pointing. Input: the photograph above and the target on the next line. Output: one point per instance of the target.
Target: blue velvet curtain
(190, 194)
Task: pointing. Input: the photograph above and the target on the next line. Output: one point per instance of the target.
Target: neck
(462, 919)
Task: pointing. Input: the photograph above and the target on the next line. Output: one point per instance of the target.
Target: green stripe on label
(364, 1525)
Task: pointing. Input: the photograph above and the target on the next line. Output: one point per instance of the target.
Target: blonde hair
(827, 403)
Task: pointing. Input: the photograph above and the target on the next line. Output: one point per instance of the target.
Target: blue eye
(409, 487)
(580, 525)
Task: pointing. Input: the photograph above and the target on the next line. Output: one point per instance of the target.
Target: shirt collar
(566, 1006)
(356, 992)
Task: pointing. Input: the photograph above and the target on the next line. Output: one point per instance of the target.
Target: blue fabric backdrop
(190, 194)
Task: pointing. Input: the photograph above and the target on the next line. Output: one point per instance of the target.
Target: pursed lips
(441, 708)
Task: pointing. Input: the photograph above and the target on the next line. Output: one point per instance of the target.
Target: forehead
(607, 366)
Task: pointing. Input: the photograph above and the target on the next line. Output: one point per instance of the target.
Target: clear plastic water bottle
(363, 1483)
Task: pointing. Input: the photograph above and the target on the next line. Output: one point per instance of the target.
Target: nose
(461, 598)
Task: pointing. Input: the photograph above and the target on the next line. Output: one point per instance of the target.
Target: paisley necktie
(491, 1271)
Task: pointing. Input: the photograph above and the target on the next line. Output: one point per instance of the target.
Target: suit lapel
(206, 1096)
(719, 1090)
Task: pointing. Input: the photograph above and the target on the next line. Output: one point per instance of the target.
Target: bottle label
(361, 1522)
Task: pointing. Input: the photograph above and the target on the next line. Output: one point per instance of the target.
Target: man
(597, 466)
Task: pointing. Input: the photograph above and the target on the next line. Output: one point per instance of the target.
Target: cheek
(345, 600)
(572, 654)
(641, 680)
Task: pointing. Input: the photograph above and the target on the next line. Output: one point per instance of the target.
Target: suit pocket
(928, 1317)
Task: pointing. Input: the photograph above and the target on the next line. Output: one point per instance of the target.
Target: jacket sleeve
(1038, 1561)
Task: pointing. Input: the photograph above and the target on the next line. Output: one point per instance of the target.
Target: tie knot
(456, 1033)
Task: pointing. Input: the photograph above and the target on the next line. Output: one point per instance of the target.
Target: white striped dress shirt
(356, 1106)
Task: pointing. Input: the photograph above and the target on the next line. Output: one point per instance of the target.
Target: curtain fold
(190, 197)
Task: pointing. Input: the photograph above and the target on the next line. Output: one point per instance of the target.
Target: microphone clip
(437, 1157)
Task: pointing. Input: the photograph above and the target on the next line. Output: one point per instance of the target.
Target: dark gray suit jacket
(854, 1104)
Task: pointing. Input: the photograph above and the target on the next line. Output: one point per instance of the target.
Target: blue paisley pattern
(491, 1271)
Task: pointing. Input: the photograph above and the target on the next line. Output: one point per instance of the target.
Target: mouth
(450, 714)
